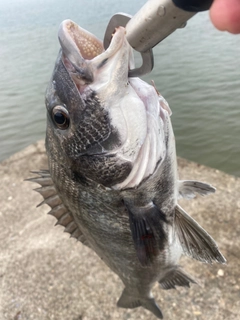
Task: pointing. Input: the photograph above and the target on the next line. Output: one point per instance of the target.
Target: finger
(225, 15)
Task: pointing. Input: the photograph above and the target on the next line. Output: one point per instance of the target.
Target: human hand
(225, 15)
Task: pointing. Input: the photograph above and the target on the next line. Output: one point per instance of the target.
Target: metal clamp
(155, 21)
(121, 19)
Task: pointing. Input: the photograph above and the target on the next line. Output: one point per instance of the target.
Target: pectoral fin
(188, 189)
(146, 224)
(195, 241)
(176, 277)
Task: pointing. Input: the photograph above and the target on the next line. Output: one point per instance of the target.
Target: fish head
(98, 118)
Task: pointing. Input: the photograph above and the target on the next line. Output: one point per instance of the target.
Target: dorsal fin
(58, 210)
(195, 241)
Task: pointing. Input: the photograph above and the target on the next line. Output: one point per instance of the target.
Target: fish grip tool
(155, 21)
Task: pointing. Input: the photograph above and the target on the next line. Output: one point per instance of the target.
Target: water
(197, 69)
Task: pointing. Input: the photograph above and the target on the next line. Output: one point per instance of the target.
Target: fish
(112, 180)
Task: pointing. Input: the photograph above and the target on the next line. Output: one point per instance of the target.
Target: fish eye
(60, 117)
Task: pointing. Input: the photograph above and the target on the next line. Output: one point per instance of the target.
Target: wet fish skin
(103, 196)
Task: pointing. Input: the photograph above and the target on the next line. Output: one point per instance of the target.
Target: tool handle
(157, 19)
(193, 5)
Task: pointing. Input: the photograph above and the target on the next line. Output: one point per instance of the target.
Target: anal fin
(189, 188)
(130, 301)
(176, 277)
(195, 241)
(146, 224)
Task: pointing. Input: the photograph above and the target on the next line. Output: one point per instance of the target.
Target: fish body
(112, 179)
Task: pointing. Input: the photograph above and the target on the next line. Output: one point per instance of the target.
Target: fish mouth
(77, 42)
(83, 54)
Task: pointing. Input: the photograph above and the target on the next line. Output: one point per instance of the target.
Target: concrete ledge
(45, 275)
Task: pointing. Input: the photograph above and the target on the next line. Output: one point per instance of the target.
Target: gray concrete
(46, 275)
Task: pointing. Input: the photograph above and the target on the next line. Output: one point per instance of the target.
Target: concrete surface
(46, 275)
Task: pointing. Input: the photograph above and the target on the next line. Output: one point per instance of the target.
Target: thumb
(225, 15)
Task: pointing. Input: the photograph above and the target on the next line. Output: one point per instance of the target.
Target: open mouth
(74, 39)
(78, 44)
(83, 54)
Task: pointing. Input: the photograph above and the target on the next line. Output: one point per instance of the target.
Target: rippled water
(197, 69)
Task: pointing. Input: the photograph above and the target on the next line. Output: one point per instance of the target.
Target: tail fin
(128, 301)
(151, 305)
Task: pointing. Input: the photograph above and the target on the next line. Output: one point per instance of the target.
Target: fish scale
(101, 186)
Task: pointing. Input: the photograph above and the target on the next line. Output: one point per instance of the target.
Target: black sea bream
(112, 179)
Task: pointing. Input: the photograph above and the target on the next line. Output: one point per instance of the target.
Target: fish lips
(83, 54)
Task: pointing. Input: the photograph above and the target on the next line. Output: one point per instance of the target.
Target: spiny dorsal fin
(58, 210)
(189, 188)
(195, 241)
(176, 277)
